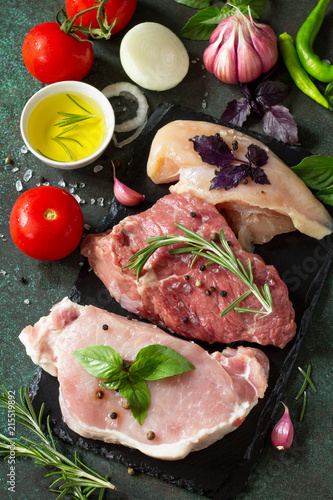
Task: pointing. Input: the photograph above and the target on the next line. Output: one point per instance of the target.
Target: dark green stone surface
(305, 471)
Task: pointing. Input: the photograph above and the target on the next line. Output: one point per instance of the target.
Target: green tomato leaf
(195, 4)
(316, 171)
(326, 195)
(100, 360)
(137, 394)
(197, 27)
(157, 361)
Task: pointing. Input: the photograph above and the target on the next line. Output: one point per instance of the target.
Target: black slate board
(220, 471)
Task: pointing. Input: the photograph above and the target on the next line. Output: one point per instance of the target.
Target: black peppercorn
(150, 435)
(186, 277)
(202, 268)
(223, 293)
(211, 288)
(185, 320)
(105, 327)
(129, 317)
(235, 145)
(100, 394)
(214, 237)
(193, 214)
(245, 181)
(207, 292)
(113, 415)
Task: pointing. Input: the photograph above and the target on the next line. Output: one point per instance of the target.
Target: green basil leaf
(316, 171)
(137, 394)
(326, 195)
(117, 383)
(195, 4)
(197, 28)
(100, 360)
(163, 362)
(257, 6)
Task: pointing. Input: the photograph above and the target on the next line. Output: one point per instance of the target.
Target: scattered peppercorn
(150, 435)
(186, 277)
(211, 288)
(42, 179)
(100, 394)
(193, 214)
(105, 327)
(129, 317)
(235, 145)
(198, 284)
(125, 404)
(131, 471)
(202, 268)
(113, 415)
(214, 237)
(185, 319)
(223, 293)
(8, 160)
(23, 280)
(207, 292)
(229, 243)
(245, 181)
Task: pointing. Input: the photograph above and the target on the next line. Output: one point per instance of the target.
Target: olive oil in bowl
(66, 127)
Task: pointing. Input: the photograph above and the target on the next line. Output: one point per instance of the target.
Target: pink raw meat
(162, 294)
(188, 411)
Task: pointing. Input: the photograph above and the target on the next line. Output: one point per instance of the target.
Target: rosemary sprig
(73, 475)
(70, 121)
(221, 255)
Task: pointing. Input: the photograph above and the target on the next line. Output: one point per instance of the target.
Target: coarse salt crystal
(62, 183)
(92, 201)
(3, 272)
(26, 301)
(73, 184)
(15, 169)
(77, 197)
(18, 186)
(71, 190)
(100, 202)
(27, 175)
(81, 185)
(87, 227)
(98, 168)
(24, 149)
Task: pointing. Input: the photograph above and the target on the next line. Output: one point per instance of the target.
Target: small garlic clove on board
(283, 432)
(125, 195)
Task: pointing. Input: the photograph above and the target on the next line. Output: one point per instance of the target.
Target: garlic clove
(125, 195)
(283, 432)
(225, 64)
(249, 65)
(264, 42)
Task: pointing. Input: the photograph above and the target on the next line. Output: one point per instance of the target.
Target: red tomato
(122, 10)
(46, 223)
(51, 55)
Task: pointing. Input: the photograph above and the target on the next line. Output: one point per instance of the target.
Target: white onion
(154, 57)
(131, 92)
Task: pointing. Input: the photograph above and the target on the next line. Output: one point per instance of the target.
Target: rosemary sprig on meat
(75, 478)
(222, 255)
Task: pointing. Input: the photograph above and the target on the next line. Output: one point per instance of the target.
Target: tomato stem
(69, 27)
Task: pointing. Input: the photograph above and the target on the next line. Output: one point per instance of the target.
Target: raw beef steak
(167, 293)
(187, 412)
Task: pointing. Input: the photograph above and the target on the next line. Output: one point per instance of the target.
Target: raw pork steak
(166, 298)
(187, 412)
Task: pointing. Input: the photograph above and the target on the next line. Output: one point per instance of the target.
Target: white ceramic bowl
(69, 86)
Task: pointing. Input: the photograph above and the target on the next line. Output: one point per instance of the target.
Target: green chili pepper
(305, 38)
(296, 70)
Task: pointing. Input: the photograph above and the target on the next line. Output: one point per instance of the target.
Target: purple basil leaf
(213, 150)
(256, 155)
(270, 93)
(279, 123)
(245, 90)
(237, 111)
(259, 176)
(230, 176)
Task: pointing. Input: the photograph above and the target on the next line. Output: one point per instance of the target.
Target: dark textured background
(305, 471)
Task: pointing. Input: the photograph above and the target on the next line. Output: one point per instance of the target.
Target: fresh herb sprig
(153, 362)
(70, 121)
(74, 478)
(317, 173)
(307, 381)
(221, 255)
(201, 25)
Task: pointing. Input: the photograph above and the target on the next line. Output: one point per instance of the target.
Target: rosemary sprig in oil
(70, 121)
(74, 478)
(221, 255)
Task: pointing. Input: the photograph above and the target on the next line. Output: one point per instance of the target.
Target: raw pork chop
(166, 298)
(187, 412)
(256, 213)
